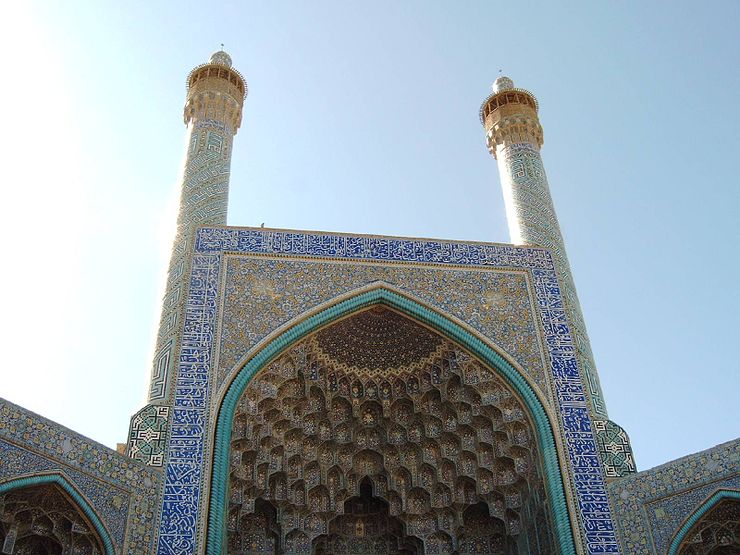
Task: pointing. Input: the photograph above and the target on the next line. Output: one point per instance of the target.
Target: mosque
(325, 393)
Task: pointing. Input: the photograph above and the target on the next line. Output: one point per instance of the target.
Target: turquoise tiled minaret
(514, 137)
(212, 114)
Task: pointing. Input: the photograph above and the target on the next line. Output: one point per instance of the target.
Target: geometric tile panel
(147, 439)
(615, 449)
(185, 486)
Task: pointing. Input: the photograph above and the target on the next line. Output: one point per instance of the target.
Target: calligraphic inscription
(183, 506)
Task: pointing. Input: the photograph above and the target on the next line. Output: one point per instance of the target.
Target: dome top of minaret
(217, 74)
(221, 58)
(506, 93)
(503, 83)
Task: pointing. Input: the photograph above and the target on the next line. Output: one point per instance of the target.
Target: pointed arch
(63, 483)
(446, 326)
(697, 515)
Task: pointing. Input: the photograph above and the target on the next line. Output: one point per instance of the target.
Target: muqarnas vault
(326, 393)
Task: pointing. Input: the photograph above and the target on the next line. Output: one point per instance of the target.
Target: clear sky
(363, 117)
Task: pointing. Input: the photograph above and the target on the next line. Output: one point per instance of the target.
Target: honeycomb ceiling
(377, 341)
(443, 440)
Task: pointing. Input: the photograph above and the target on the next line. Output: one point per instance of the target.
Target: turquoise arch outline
(69, 489)
(217, 508)
(703, 509)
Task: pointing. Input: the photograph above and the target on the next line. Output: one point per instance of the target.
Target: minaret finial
(502, 83)
(221, 58)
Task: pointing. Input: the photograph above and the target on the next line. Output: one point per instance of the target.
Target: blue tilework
(390, 249)
(185, 466)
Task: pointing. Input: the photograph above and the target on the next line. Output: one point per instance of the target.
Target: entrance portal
(376, 433)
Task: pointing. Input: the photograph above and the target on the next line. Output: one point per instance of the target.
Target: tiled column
(213, 113)
(514, 136)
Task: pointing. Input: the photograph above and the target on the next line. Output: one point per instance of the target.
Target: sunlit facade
(325, 393)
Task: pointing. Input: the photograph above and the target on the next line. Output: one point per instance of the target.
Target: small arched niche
(717, 532)
(43, 520)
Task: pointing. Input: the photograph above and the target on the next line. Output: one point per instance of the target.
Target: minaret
(213, 113)
(514, 137)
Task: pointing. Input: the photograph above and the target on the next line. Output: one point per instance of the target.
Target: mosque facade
(327, 393)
